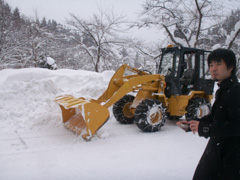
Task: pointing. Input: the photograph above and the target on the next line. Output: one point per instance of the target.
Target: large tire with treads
(197, 108)
(150, 115)
(121, 110)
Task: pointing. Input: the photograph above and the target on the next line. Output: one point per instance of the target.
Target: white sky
(59, 10)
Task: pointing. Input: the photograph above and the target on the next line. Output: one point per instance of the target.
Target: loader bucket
(82, 116)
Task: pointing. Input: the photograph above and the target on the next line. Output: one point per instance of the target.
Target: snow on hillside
(35, 145)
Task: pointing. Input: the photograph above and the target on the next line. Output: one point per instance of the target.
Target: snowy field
(35, 145)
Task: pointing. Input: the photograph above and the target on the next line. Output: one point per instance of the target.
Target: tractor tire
(121, 110)
(150, 115)
(197, 108)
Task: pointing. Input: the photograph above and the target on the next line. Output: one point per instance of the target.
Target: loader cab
(185, 70)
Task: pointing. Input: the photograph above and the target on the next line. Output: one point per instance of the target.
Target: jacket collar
(226, 82)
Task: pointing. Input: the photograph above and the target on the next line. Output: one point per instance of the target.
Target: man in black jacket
(221, 158)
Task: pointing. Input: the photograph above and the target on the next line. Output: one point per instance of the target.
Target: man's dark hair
(226, 55)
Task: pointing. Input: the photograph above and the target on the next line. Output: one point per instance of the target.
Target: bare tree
(98, 36)
(184, 21)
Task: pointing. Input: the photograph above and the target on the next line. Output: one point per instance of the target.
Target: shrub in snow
(47, 62)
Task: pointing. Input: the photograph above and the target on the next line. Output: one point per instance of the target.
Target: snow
(216, 46)
(35, 145)
(51, 62)
(233, 33)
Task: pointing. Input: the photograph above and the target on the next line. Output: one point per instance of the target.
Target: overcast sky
(59, 10)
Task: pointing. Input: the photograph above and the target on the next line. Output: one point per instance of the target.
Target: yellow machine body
(177, 104)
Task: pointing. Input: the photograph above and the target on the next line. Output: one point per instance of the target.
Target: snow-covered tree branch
(100, 33)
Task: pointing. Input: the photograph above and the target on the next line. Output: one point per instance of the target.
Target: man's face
(219, 70)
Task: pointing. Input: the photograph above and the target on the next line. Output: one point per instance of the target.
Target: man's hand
(181, 122)
(194, 126)
(184, 125)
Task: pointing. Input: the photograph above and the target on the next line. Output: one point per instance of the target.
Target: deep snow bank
(27, 95)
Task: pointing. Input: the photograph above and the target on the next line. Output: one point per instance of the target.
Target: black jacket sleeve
(207, 118)
(229, 127)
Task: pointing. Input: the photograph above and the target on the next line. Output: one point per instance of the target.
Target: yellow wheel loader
(181, 87)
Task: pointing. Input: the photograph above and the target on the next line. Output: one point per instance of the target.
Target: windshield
(167, 64)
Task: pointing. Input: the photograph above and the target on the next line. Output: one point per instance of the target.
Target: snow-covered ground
(35, 145)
